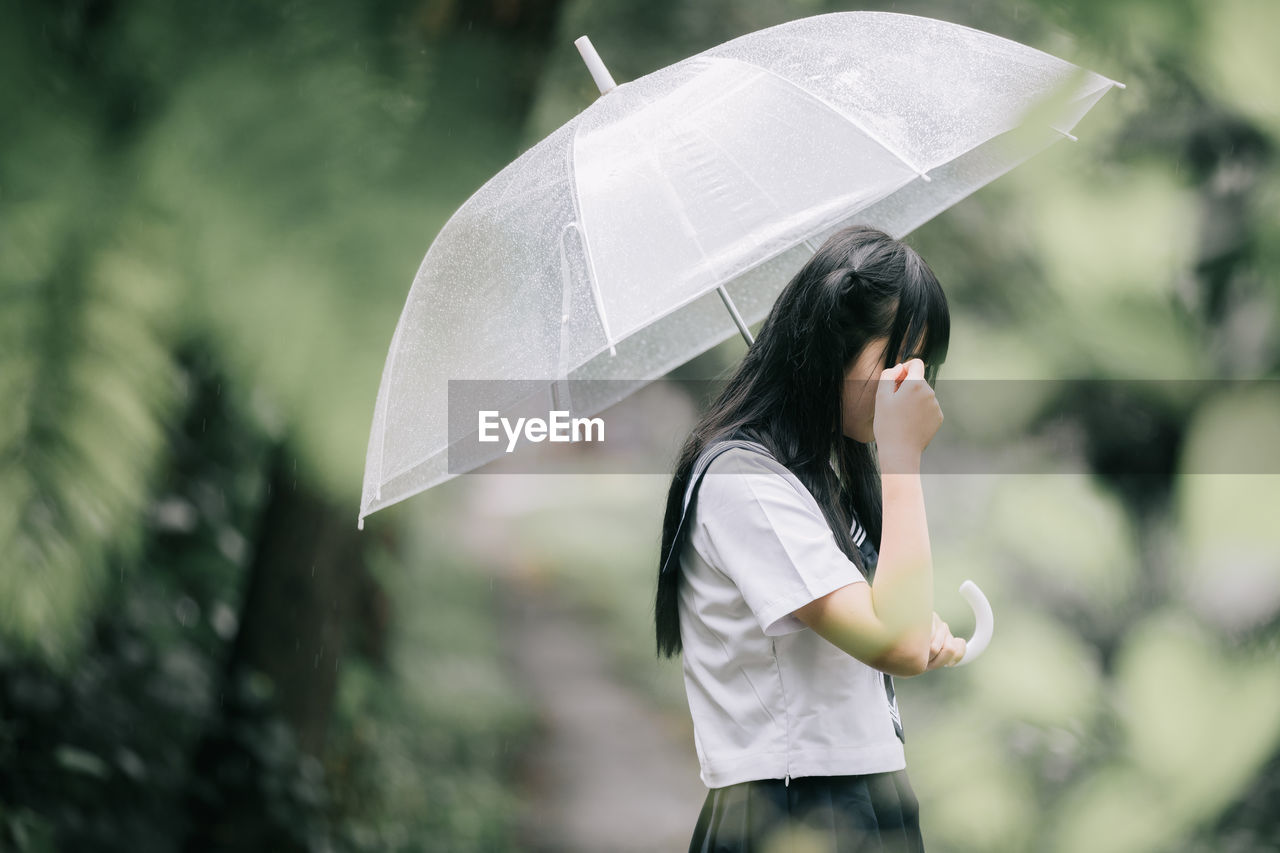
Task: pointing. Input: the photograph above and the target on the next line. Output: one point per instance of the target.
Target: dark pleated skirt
(872, 813)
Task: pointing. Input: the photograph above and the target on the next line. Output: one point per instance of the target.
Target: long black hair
(860, 285)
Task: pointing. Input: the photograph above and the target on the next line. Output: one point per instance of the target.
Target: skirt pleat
(871, 813)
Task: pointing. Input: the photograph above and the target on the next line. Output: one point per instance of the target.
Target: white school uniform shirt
(771, 698)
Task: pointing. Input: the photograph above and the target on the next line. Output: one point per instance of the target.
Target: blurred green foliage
(427, 748)
(200, 204)
(99, 751)
(209, 218)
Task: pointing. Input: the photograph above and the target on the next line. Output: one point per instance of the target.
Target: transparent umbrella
(672, 210)
(612, 248)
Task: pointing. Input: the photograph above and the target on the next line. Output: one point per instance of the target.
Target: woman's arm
(888, 625)
(902, 593)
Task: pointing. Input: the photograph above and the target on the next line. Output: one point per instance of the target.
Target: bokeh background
(210, 215)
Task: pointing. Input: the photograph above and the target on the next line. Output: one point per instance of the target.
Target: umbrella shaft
(737, 318)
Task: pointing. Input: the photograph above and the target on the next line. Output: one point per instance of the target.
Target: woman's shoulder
(744, 457)
(716, 461)
(724, 473)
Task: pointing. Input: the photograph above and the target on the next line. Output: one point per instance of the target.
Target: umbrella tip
(1119, 85)
(595, 64)
(360, 523)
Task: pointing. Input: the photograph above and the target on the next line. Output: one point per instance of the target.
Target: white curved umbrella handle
(984, 621)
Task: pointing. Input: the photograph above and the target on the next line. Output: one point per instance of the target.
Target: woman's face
(858, 394)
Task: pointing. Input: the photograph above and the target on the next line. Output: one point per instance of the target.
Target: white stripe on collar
(858, 533)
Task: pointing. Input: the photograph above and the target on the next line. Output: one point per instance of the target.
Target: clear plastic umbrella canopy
(612, 248)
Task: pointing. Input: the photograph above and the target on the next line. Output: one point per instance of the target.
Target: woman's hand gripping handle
(946, 650)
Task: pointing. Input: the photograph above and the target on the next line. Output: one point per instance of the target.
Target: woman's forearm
(902, 594)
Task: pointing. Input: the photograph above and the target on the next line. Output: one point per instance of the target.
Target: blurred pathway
(611, 772)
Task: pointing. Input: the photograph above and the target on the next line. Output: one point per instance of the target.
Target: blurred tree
(307, 589)
(96, 755)
(258, 179)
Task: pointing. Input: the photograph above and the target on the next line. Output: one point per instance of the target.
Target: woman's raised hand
(907, 413)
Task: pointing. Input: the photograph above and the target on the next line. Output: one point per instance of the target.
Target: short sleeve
(765, 530)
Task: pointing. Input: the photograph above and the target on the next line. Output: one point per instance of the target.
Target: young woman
(795, 575)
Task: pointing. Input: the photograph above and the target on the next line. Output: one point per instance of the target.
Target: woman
(797, 730)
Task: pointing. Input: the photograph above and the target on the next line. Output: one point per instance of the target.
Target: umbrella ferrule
(595, 65)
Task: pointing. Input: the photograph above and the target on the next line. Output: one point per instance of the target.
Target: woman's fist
(944, 649)
(906, 411)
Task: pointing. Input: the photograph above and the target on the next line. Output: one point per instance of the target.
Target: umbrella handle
(984, 622)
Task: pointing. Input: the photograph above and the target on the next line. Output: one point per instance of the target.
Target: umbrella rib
(566, 289)
(596, 296)
(566, 283)
(576, 223)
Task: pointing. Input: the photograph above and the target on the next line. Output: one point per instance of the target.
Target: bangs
(923, 321)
